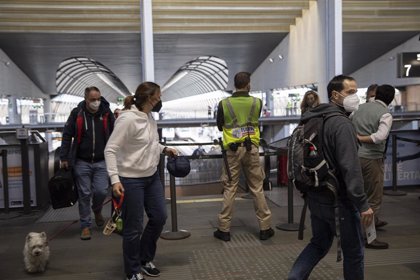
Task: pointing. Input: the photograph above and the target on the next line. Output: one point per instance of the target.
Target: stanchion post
(175, 234)
(5, 181)
(290, 226)
(394, 191)
(24, 151)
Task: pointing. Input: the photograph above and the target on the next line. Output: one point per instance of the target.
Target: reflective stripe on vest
(237, 129)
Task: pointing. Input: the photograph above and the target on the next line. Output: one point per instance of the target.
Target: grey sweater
(366, 122)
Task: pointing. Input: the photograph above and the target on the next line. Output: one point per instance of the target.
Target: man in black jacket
(340, 146)
(82, 148)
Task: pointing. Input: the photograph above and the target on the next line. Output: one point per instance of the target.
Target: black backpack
(308, 168)
(63, 192)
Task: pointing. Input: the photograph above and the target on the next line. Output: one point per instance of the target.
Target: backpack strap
(79, 126)
(333, 189)
(105, 118)
(81, 118)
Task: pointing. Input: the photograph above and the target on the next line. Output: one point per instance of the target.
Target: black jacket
(85, 134)
(340, 146)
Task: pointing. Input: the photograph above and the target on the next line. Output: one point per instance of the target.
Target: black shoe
(225, 236)
(150, 269)
(266, 234)
(380, 223)
(375, 244)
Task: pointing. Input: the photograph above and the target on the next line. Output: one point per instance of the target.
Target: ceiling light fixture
(271, 60)
(280, 57)
(7, 63)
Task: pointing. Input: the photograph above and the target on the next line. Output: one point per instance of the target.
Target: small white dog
(36, 252)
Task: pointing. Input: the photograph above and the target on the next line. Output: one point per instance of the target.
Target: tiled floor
(201, 256)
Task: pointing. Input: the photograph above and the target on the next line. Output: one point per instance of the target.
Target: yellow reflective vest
(241, 119)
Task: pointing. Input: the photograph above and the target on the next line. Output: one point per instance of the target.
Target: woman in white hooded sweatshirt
(132, 155)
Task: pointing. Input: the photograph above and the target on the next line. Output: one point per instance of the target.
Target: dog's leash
(115, 222)
(73, 222)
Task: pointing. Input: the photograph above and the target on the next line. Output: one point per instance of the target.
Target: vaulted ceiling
(39, 34)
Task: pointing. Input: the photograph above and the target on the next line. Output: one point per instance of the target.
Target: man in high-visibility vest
(237, 117)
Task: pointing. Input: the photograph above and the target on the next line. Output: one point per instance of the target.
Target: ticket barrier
(24, 170)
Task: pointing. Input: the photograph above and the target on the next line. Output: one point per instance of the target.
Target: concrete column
(412, 98)
(47, 110)
(147, 51)
(269, 100)
(14, 116)
(331, 43)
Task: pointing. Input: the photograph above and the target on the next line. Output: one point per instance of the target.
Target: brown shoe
(85, 235)
(376, 244)
(99, 219)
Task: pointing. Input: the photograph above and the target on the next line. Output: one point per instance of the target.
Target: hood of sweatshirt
(136, 112)
(324, 108)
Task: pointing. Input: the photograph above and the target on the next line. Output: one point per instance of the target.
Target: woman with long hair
(132, 156)
(310, 100)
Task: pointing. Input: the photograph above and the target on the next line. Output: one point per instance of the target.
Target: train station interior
(50, 51)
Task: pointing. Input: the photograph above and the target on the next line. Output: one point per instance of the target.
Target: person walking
(132, 155)
(237, 117)
(84, 138)
(373, 122)
(340, 148)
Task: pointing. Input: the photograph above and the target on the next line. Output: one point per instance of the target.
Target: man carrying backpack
(340, 151)
(84, 138)
(373, 122)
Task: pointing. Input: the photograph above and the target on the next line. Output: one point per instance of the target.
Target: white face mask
(95, 105)
(351, 103)
(371, 99)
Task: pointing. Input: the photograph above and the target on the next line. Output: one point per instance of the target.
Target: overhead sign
(409, 65)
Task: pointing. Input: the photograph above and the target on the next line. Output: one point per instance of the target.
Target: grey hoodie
(340, 146)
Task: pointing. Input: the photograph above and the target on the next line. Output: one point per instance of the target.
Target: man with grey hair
(82, 148)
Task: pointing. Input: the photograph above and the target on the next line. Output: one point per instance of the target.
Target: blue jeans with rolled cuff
(141, 194)
(92, 183)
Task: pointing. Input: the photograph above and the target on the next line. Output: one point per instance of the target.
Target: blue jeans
(92, 183)
(323, 232)
(140, 245)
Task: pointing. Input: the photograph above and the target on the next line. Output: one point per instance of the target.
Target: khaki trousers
(373, 177)
(255, 176)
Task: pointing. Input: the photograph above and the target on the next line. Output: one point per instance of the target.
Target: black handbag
(63, 191)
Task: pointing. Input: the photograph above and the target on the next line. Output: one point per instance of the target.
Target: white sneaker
(137, 276)
(150, 269)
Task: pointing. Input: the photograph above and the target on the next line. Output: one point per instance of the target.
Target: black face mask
(157, 107)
